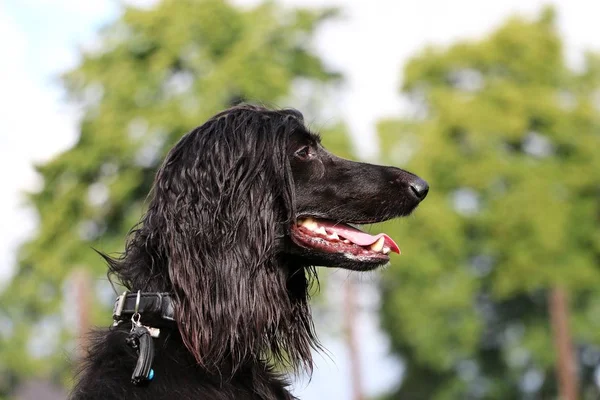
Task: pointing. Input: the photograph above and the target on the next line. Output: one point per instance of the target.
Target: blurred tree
(155, 75)
(508, 138)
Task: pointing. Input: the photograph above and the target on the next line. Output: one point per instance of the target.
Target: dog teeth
(310, 224)
(313, 226)
(386, 250)
(346, 241)
(378, 245)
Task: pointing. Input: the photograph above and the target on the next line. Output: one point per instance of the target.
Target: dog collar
(153, 308)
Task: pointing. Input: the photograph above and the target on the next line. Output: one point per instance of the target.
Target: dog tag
(154, 332)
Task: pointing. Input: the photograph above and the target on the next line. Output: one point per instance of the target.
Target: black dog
(242, 209)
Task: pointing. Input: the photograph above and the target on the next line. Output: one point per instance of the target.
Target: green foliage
(157, 74)
(508, 138)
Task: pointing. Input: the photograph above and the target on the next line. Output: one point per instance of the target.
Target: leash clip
(135, 318)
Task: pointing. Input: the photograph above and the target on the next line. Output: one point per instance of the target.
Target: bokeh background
(496, 104)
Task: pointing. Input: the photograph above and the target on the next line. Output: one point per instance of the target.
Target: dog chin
(341, 260)
(351, 262)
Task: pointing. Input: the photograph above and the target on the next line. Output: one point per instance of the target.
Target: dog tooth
(346, 241)
(386, 250)
(320, 230)
(378, 245)
(334, 236)
(310, 224)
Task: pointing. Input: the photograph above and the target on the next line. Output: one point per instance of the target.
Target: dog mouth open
(338, 238)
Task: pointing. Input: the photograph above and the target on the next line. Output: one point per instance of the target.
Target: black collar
(154, 309)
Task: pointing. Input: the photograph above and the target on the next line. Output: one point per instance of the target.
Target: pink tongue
(357, 236)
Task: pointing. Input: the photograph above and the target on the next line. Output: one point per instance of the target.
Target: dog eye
(304, 153)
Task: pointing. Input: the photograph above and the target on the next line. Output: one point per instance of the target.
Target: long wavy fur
(213, 235)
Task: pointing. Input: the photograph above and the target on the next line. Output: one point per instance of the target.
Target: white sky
(38, 38)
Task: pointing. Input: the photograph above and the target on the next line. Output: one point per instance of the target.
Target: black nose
(420, 188)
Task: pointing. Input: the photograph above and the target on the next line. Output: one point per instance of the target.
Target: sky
(41, 38)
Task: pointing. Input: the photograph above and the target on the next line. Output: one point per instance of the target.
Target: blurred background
(495, 104)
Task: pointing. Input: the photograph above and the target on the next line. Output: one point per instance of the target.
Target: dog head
(331, 193)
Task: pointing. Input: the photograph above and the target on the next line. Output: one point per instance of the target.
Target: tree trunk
(351, 339)
(81, 289)
(566, 366)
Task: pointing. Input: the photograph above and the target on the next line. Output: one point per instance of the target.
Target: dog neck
(271, 323)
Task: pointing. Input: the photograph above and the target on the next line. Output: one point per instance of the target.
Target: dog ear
(224, 199)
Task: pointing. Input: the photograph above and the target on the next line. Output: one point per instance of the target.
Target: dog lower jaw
(363, 264)
(337, 260)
